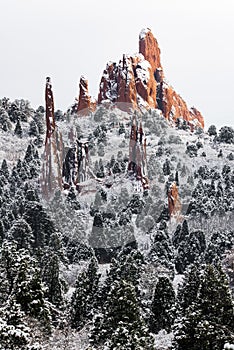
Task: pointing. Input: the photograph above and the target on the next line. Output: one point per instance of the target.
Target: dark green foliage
(208, 322)
(56, 286)
(180, 234)
(41, 224)
(212, 130)
(136, 204)
(18, 129)
(22, 234)
(72, 200)
(191, 150)
(14, 332)
(4, 169)
(167, 167)
(226, 134)
(33, 128)
(83, 300)
(161, 253)
(188, 290)
(189, 250)
(163, 306)
(121, 326)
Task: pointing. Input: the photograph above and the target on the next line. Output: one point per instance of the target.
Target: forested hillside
(116, 262)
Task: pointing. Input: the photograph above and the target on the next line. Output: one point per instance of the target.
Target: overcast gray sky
(64, 39)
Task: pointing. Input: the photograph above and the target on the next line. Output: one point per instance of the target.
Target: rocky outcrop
(85, 102)
(174, 204)
(138, 82)
(137, 164)
(50, 120)
(148, 47)
(130, 84)
(52, 158)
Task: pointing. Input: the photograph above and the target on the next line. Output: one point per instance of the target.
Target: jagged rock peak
(85, 102)
(138, 82)
(148, 47)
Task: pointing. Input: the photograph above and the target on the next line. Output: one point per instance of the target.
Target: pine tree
(9, 259)
(54, 283)
(188, 291)
(21, 233)
(161, 252)
(209, 321)
(72, 200)
(121, 326)
(190, 249)
(41, 224)
(14, 332)
(18, 129)
(163, 306)
(84, 297)
(33, 129)
(4, 169)
(167, 167)
(28, 292)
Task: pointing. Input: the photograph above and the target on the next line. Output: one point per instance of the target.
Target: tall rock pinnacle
(85, 103)
(149, 48)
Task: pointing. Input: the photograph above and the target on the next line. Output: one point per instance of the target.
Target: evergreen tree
(18, 129)
(189, 250)
(51, 277)
(4, 169)
(9, 259)
(29, 292)
(208, 322)
(84, 297)
(72, 200)
(21, 233)
(163, 306)
(121, 326)
(212, 130)
(161, 252)
(41, 224)
(14, 332)
(188, 291)
(33, 129)
(167, 168)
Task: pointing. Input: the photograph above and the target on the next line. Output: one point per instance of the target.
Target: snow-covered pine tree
(209, 321)
(83, 300)
(163, 306)
(121, 326)
(18, 129)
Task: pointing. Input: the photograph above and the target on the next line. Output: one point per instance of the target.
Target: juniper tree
(188, 290)
(21, 233)
(4, 169)
(55, 285)
(208, 322)
(121, 325)
(161, 252)
(163, 306)
(18, 129)
(83, 299)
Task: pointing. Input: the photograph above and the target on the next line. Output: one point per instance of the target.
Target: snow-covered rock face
(138, 81)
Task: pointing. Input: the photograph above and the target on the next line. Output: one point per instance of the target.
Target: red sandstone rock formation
(138, 81)
(50, 121)
(174, 204)
(85, 103)
(137, 165)
(149, 48)
(51, 175)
